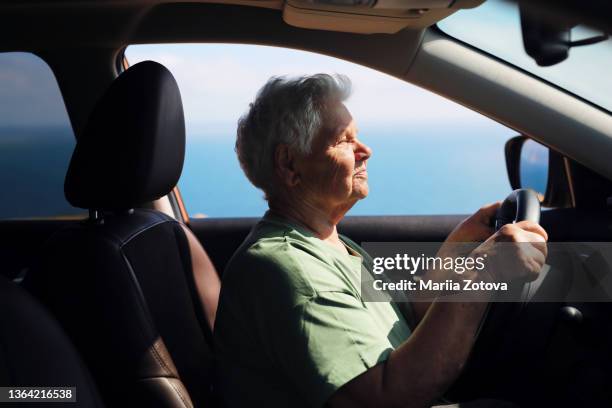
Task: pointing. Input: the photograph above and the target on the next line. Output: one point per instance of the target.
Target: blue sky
(218, 81)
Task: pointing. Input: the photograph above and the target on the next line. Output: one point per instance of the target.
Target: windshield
(495, 27)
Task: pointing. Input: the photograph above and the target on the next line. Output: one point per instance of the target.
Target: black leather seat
(34, 351)
(130, 286)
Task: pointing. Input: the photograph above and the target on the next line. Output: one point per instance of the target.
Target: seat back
(126, 283)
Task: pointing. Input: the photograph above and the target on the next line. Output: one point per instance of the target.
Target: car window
(495, 27)
(36, 140)
(430, 155)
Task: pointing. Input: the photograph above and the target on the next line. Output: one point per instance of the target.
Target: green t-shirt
(292, 327)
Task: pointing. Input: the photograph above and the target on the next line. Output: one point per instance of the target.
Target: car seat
(132, 286)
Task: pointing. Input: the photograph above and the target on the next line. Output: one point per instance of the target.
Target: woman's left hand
(477, 227)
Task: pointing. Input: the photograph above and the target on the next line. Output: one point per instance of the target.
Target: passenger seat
(133, 287)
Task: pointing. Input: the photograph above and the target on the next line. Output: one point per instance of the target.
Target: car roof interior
(83, 41)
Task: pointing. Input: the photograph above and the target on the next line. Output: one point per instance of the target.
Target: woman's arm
(475, 228)
(419, 371)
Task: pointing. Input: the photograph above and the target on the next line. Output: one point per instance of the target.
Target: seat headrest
(133, 146)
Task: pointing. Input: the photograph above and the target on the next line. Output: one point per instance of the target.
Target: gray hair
(285, 111)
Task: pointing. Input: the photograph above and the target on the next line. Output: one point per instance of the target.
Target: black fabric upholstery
(35, 351)
(120, 290)
(133, 146)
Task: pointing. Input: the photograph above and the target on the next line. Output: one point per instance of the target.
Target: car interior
(121, 303)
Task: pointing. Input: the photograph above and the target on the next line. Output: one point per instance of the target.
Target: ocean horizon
(413, 170)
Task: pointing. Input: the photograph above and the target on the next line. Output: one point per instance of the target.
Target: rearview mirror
(545, 40)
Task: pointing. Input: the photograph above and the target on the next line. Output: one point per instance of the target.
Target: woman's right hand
(515, 252)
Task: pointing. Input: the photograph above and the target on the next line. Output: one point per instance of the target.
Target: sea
(414, 169)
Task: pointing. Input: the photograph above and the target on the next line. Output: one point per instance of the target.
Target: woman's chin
(361, 192)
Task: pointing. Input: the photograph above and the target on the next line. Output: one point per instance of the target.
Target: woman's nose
(362, 151)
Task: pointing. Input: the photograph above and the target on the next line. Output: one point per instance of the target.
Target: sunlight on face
(335, 171)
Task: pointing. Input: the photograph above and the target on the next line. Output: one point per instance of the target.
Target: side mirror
(534, 166)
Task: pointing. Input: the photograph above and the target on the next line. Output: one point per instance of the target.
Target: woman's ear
(284, 165)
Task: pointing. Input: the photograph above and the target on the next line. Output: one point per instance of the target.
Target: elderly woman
(292, 328)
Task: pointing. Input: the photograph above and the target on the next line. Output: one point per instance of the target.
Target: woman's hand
(477, 227)
(515, 252)
(518, 250)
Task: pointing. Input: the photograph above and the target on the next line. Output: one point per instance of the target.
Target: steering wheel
(521, 205)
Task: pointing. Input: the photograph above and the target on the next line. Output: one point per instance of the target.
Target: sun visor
(370, 16)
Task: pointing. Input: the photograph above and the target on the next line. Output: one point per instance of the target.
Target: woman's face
(334, 174)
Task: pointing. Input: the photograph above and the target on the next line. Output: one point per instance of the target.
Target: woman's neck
(320, 221)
